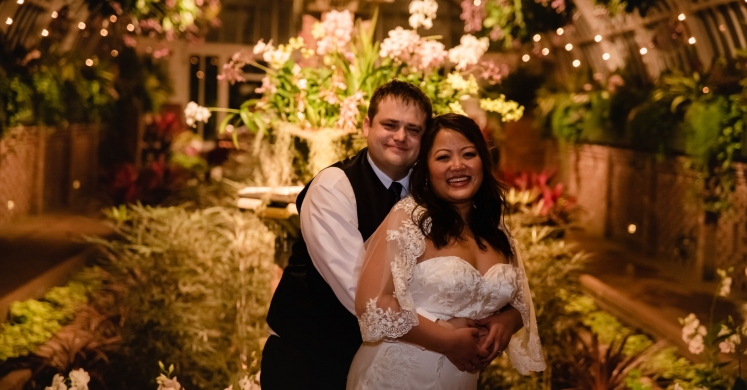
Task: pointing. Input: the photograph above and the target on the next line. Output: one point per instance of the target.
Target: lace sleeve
(383, 303)
(525, 349)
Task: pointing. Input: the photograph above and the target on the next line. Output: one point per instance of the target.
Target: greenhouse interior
(154, 156)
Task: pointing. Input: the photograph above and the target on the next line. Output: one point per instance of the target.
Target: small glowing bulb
(477, 3)
(560, 31)
(115, 53)
(76, 184)
(537, 37)
(81, 25)
(691, 40)
(11, 205)
(9, 21)
(20, 1)
(598, 38)
(681, 17)
(644, 51)
(606, 56)
(632, 228)
(705, 90)
(130, 27)
(104, 32)
(89, 62)
(525, 58)
(576, 63)
(545, 51)
(229, 129)
(200, 74)
(113, 18)
(45, 32)
(54, 15)
(569, 47)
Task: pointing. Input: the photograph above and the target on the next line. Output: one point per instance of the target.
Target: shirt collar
(385, 180)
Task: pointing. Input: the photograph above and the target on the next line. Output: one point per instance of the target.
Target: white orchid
(79, 379)
(194, 113)
(422, 13)
(469, 51)
(166, 383)
(58, 383)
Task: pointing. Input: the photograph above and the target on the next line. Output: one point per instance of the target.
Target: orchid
(469, 51)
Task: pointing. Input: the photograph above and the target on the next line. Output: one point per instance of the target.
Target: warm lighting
(576, 63)
(81, 26)
(20, 1)
(606, 56)
(9, 21)
(598, 38)
(681, 17)
(130, 27)
(11, 205)
(45, 32)
(525, 58)
(691, 40)
(545, 51)
(644, 51)
(560, 31)
(200, 74)
(229, 129)
(113, 18)
(537, 37)
(721, 27)
(76, 184)
(569, 47)
(194, 60)
(477, 3)
(115, 53)
(632, 228)
(54, 15)
(104, 32)
(89, 62)
(705, 90)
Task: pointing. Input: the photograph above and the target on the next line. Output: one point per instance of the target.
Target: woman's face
(454, 168)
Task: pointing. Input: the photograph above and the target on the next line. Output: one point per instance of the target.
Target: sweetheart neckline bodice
(466, 263)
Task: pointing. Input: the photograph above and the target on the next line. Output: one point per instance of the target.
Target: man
(312, 313)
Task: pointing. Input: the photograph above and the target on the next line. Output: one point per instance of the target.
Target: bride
(445, 250)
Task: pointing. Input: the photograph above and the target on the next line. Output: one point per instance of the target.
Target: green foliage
(33, 322)
(191, 288)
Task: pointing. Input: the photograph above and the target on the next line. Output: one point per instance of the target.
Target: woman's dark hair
(447, 225)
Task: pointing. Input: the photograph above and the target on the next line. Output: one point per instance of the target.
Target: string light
(113, 18)
(45, 32)
(477, 3)
(644, 51)
(598, 38)
(89, 62)
(681, 17)
(11, 205)
(130, 27)
(9, 21)
(537, 37)
(560, 30)
(705, 90)
(525, 58)
(545, 51)
(606, 56)
(115, 53)
(576, 63)
(569, 47)
(20, 2)
(76, 184)
(691, 40)
(632, 228)
(82, 26)
(104, 32)
(54, 15)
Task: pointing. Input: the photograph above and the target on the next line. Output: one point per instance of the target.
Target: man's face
(393, 136)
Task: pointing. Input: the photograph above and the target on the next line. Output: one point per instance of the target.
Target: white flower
(459, 83)
(58, 383)
(267, 86)
(303, 84)
(276, 58)
(677, 387)
(194, 113)
(725, 287)
(429, 54)
(164, 383)
(79, 379)
(696, 345)
(469, 51)
(422, 13)
(400, 45)
(262, 47)
(334, 32)
(248, 384)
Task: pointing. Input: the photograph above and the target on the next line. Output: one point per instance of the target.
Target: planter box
(46, 169)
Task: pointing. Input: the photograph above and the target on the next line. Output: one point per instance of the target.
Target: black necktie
(396, 192)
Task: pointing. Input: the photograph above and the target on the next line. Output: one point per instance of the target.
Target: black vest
(304, 309)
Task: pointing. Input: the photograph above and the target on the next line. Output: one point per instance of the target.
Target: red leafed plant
(532, 193)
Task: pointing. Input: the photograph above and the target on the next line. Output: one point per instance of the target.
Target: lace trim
(377, 324)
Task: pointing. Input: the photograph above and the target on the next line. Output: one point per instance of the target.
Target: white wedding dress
(446, 287)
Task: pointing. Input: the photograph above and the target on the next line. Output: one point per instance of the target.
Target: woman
(444, 250)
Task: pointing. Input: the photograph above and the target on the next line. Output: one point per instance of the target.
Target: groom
(315, 332)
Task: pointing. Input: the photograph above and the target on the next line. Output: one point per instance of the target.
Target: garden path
(650, 293)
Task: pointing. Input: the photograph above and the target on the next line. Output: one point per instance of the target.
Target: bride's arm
(501, 326)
